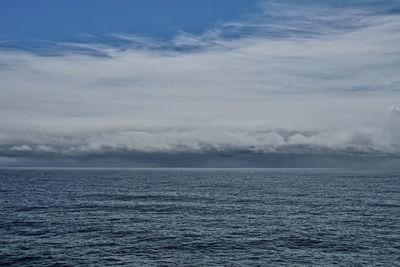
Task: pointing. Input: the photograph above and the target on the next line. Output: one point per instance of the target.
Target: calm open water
(199, 217)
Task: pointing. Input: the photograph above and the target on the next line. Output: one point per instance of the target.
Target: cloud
(394, 111)
(355, 141)
(21, 148)
(302, 85)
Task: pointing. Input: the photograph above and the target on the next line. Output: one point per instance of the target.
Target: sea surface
(199, 217)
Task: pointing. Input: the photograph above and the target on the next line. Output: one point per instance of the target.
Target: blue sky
(140, 82)
(23, 22)
(70, 20)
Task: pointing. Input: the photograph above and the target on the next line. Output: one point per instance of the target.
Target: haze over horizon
(200, 83)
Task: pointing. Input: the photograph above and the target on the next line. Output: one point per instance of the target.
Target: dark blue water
(169, 217)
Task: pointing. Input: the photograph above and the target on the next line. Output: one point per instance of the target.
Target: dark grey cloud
(210, 159)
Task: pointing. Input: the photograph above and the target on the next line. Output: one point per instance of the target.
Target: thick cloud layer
(296, 86)
(357, 141)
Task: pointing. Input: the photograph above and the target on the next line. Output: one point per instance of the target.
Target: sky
(184, 83)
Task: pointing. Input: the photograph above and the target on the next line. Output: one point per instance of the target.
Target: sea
(199, 217)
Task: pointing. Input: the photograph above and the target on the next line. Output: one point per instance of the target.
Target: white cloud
(329, 91)
(394, 110)
(21, 148)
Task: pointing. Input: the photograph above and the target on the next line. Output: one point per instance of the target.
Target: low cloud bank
(361, 141)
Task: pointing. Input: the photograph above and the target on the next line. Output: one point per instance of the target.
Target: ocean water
(199, 217)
